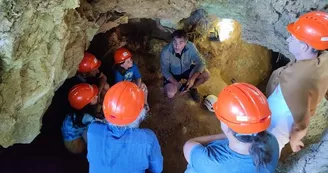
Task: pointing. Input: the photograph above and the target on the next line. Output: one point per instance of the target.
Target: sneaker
(194, 94)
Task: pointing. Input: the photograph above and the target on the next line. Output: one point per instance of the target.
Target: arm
(165, 68)
(85, 134)
(203, 140)
(138, 82)
(273, 81)
(198, 60)
(137, 75)
(195, 75)
(200, 65)
(301, 120)
(298, 131)
(192, 79)
(103, 81)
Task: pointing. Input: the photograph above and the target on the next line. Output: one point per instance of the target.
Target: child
(83, 99)
(126, 70)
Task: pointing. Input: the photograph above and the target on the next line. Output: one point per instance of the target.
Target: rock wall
(264, 21)
(43, 41)
(41, 44)
(237, 60)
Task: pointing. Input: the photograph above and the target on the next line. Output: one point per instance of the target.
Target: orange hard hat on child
(121, 54)
(82, 94)
(311, 28)
(123, 103)
(243, 108)
(89, 63)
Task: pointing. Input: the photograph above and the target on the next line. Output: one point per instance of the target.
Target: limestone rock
(36, 57)
(236, 59)
(156, 46)
(263, 21)
(312, 159)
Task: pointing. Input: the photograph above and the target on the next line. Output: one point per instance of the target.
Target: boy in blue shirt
(126, 70)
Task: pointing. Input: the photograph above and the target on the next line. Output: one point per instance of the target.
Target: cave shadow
(277, 60)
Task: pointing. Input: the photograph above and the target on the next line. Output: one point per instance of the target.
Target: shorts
(184, 75)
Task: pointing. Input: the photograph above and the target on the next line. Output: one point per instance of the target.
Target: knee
(170, 94)
(206, 75)
(170, 90)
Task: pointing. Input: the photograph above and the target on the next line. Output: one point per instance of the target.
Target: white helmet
(209, 102)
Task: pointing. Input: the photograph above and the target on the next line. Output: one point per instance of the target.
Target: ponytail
(260, 150)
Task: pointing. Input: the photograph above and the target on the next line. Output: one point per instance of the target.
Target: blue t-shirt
(218, 157)
(122, 150)
(71, 132)
(130, 75)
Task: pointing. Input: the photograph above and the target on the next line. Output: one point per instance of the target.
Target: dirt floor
(175, 121)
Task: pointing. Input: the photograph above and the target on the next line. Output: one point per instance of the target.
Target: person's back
(244, 146)
(218, 157)
(119, 150)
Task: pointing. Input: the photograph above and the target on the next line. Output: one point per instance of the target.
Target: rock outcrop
(41, 42)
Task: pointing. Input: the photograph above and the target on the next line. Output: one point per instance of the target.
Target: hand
(190, 83)
(296, 145)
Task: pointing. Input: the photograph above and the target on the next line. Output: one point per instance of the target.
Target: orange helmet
(243, 108)
(82, 94)
(89, 63)
(122, 54)
(123, 103)
(311, 28)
